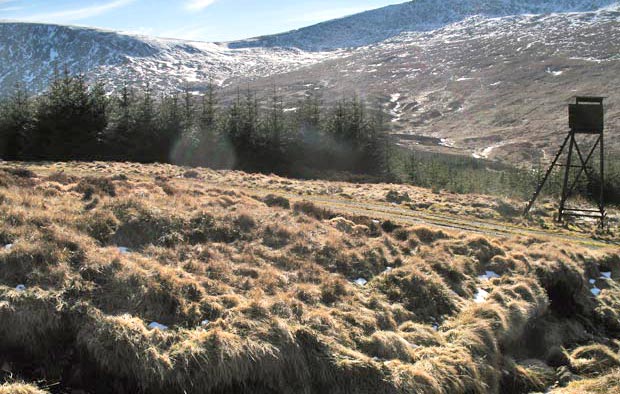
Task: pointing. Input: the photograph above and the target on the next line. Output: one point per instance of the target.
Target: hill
(489, 79)
(494, 88)
(154, 278)
(378, 25)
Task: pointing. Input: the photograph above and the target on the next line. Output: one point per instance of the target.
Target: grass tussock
(594, 359)
(249, 295)
(608, 383)
(20, 388)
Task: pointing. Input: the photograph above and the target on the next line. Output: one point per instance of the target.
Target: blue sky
(208, 20)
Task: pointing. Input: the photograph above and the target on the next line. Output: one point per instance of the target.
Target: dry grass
(606, 384)
(262, 294)
(20, 388)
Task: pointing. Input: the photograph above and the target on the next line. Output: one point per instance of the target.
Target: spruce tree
(145, 131)
(66, 126)
(120, 135)
(16, 125)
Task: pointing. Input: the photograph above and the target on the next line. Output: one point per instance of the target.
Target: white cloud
(78, 13)
(195, 5)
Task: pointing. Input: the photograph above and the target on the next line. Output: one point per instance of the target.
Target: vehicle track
(406, 215)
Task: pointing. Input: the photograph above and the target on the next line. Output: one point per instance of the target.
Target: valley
(494, 80)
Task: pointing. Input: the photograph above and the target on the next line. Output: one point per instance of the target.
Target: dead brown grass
(609, 383)
(20, 388)
(259, 297)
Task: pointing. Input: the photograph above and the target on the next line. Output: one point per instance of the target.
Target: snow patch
(158, 326)
(488, 275)
(555, 73)
(486, 152)
(481, 296)
(360, 282)
(446, 142)
(396, 111)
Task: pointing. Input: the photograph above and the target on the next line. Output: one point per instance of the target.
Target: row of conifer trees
(74, 120)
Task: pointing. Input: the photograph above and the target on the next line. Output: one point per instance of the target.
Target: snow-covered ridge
(30, 53)
(415, 16)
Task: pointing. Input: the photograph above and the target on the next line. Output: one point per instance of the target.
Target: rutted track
(397, 213)
(403, 215)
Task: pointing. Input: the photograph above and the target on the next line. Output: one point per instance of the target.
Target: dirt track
(405, 215)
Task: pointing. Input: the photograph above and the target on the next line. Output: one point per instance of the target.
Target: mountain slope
(486, 85)
(30, 54)
(489, 87)
(419, 15)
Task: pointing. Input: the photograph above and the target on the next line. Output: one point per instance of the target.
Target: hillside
(374, 26)
(484, 78)
(493, 88)
(136, 278)
(31, 53)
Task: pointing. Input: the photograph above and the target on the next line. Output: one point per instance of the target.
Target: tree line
(73, 120)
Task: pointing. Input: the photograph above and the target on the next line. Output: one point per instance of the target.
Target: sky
(205, 20)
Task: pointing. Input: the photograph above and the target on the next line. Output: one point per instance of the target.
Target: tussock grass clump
(191, 174)
(427, 235)
(333, 290)
(421, 335)
(43, 258)
(20, 388)
(22, 177)
(100, 225)
(140, 225)
(273, 200)
(203, 227)
(388, 345)
(276, 237)
(90, 186)
(594, 359)
(423, 292)
(61, 177)
(31, 320)
(484, 250)
(609, 383)
(20, 172)
(527, 376)
(309, 209)
(394, 196)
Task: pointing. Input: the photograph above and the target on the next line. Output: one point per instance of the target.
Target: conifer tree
(66, 127)
(145, 132)
(118, 138)
(16, 125)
